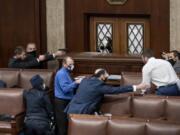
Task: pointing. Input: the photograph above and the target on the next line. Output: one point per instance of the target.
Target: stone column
(175, 25)
(55, 11)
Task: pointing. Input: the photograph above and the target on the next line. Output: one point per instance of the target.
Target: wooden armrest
(17, 115)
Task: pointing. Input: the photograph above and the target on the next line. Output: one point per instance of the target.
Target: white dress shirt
(159, 72)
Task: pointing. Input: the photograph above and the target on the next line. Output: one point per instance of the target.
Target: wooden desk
(109, 82)
(88, 62)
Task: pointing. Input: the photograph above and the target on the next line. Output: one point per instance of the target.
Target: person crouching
(38, 108)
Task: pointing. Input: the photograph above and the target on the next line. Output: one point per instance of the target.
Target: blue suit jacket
(89, 95)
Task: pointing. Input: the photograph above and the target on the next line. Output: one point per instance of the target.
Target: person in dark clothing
(31, 53)
(169, 57)
(91, 92)
(2, 84)
(109, 45)
(39, 111)
(176, 59)
(19, 60)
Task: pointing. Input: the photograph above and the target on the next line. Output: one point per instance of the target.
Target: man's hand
(78, 81)
(59, 53)
(141, 86)
(41, 57)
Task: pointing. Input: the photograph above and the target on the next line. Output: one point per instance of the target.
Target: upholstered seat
(99, 125)
(12, 104)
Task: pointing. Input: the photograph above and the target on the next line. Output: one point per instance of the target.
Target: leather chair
(162, 128)
(125, 126)
(148, 107)
(21, 77)
(11, 98)
(99, 125)
(131, 78)
(83, 125)
(172, 112)
(119, 105)
(12, 104)
(10, 76)
(47, 75)
(27, 74)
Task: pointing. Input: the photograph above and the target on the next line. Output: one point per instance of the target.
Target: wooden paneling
(160, 26)
(119, 32)
(21, 22)
(79, 11)
(87, 62)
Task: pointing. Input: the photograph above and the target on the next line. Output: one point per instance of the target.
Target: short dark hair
(175, 53)
(99, 73)
(148, 53)
(19, 50)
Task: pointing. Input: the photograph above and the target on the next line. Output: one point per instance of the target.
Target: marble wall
(55, 27)
(56, 23)
(175, 25)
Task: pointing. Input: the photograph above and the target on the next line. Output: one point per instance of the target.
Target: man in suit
(19, 59)
(175, 57)
(31, 53)
(91, 91)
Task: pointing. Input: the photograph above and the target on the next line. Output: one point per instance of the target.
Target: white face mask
(44, 85)
(107, 75)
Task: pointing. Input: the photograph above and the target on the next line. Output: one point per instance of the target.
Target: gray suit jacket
(177, 67)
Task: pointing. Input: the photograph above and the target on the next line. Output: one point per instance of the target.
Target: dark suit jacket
(18, 63)
(177, 67)
(31, 56)
(89, 96)
(37, 103)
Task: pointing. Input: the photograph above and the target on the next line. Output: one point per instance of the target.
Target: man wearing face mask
(176, 58)
(91, 92)
(160, 73)
(19, 59)
(39, 110)
(64, 91)
(31, 53)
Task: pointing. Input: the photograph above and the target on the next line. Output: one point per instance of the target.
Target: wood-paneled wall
(21, 22)
(79, 11)
(88, 62)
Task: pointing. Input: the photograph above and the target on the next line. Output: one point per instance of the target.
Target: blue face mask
(70, 67)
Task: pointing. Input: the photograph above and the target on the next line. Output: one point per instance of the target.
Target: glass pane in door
(104, 37)
(135, 38)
